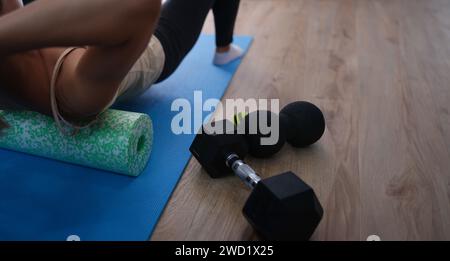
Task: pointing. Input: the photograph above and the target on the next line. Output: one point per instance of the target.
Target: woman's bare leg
(116, 32)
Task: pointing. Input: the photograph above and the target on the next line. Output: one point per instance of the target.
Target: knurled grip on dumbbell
(243, 171)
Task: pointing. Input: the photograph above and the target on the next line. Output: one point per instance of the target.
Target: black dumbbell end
(283, 208)
(306, 123)
(212, 150)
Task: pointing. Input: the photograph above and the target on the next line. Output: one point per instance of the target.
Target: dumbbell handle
(243, 171)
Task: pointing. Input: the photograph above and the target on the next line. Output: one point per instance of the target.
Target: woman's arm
(50, 23)
(7, 6)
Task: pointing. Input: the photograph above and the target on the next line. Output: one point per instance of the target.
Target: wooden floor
(380, 70)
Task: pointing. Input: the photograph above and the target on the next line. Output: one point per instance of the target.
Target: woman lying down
(72, 59)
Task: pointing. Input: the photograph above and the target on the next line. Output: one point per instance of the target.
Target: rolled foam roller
(120, 142)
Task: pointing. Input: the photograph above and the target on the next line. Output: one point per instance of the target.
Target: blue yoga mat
(42, 199)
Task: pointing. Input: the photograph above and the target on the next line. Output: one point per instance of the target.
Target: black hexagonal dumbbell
(282, 207)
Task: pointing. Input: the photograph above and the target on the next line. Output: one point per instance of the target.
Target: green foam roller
(119, 142)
